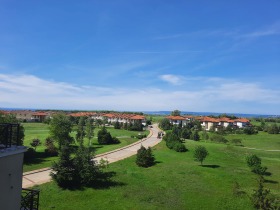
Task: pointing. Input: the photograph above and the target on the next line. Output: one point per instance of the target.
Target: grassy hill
(177, 181)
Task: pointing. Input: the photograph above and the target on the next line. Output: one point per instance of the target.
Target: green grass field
(41, 131)
(177, 181)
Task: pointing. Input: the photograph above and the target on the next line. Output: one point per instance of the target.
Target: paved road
(41, 176)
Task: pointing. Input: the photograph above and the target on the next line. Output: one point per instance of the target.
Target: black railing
(29, 199)
(9, 134)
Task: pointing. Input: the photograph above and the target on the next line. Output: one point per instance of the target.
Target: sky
(130, 55)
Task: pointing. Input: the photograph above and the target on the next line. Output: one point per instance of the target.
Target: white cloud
(172, 79)
(214, 94)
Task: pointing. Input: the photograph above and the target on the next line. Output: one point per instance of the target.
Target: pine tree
(145, 157)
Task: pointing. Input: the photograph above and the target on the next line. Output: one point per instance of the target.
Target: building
(11, 161)
(177, 120)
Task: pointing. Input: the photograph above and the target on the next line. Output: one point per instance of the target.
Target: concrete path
(41, 176)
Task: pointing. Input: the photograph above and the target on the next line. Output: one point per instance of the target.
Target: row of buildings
(209, 122)
(112, 117)
(34, 116)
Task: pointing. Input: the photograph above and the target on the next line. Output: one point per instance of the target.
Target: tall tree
(145, 157)
(60, 129)
(200, 153)
(176, 113)
(89, 130)
(80, 130)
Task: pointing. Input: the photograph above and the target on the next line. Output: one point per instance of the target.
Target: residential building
(11, 162)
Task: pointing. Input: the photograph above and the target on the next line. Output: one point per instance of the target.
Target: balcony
(29, 199)
(9, 135)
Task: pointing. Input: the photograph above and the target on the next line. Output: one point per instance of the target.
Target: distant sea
(210, 113)
(182, 113)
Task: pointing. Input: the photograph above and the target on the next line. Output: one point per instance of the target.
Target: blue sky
(211, 56)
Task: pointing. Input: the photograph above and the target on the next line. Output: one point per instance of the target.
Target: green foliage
(174, 142)
(255, 164)
(176, 113)
(63, 171)
(200, 153)
(261, 197)
(117, 125)
(136, 126)
(185, 133)
(205, 135)
(75, 172)
(236, 141)
(29, 154)
(80, 130)
(250, 130)
(218, 138)
(195, 136)
(60, 129)
(104, 137)
(89, 130)
(51, 149)
(164, 124)
(145, 157)
(273, 129)
(35, 143)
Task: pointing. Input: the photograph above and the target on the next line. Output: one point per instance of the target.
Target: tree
(104, 137)
(195, 136)
(80, 130)
(89, 130)
(51, 150)
(200, 153)
(255, 164)
(145, 157)
(176, 113)
(185, 133)
(63, 171)
(174, 142)
(165, 124)
(261, 197)
(117, 125)
(35, 143)
(250, 130)
(273, 129)
(60, 129)
(205, 135)
(86, 169)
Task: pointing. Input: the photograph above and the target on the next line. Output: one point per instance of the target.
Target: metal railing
(9, 134)
(29, 199)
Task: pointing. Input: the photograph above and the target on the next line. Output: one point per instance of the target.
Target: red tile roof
(176, 118)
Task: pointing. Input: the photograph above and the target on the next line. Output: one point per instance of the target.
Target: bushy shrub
(145, 157)
(179, 147)
(104, 137)
(75, 172)
(51, 150)
(236, 141)
(250, 130)
(174, 142)
(218, 138)
(255, 164)
(29, 154)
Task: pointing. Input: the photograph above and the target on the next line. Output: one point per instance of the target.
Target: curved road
(41, 176)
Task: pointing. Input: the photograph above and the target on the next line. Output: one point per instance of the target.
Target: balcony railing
(29, 199)
(9, 134)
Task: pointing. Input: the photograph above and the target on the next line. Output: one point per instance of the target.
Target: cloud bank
(214, 94)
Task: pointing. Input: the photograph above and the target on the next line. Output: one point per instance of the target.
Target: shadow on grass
(210, 166)
(270, 181)
(35, 158)
(103, 182)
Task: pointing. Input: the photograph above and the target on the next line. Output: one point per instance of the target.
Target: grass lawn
(175, 182)
(41, 131)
